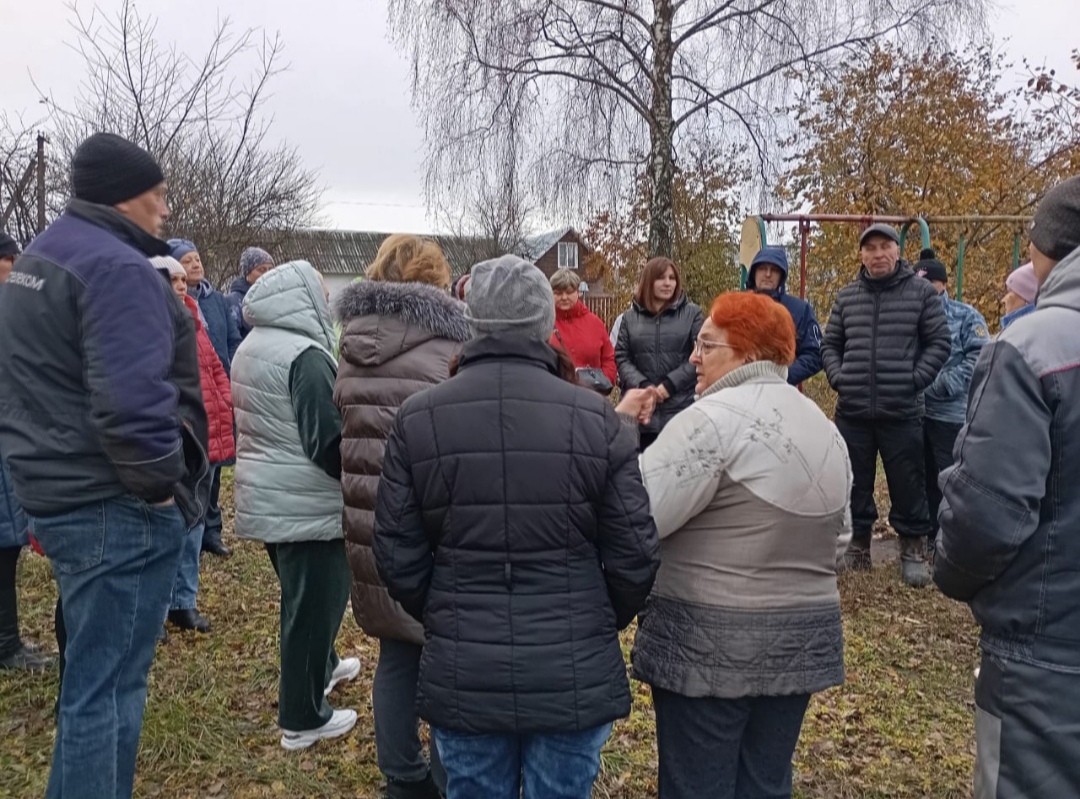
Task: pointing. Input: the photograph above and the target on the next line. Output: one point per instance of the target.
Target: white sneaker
(340, 723)
(347, 669)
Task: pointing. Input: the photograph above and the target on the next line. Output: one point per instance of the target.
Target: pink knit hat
(1023, 283)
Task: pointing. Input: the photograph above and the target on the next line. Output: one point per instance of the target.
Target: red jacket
(585, 337)
(217, 394)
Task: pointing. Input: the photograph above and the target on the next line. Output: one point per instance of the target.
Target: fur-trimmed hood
(381, 320)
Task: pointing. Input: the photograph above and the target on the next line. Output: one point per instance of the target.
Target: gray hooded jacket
(1011, 509)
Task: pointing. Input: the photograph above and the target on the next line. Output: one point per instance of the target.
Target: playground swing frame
(754, 236)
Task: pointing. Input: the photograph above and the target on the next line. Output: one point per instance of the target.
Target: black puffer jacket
(655, 349)
(512, 520)
(885, 343)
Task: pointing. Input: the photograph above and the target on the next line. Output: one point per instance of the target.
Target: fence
(606, 306)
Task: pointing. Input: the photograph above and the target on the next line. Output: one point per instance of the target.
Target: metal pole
(960, 269)
(924, 229)
(867, 219)
(40, 182)
(804, 236)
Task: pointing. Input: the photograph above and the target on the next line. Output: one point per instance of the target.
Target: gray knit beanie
(1056, 228)
(510, 295)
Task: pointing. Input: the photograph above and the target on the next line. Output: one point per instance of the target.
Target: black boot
(189, 619)
(14, 654)
(212, 543)
(422, 789)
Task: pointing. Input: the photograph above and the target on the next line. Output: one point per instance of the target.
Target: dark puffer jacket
(221, 324)
(398, 338)
(512, 519)
(886, 341)
(655, 350)
(235, 298)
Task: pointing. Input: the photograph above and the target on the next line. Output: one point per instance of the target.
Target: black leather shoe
(213, 544)
(26, 659)
(189, 619)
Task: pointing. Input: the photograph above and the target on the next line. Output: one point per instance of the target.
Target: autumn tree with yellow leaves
(930, 134)
(707, 214)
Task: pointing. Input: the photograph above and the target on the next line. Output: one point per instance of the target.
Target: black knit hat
(8, 245)
(930, 267)
(1055, 232)
(108, 169)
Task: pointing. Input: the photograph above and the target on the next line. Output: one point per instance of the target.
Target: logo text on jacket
(26, 281)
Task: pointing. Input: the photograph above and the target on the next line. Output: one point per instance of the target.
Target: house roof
(535, 247)
(350, 252)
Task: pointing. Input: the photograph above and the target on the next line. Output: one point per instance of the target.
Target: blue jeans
(186, 585)
(115, 562)
(537, 766)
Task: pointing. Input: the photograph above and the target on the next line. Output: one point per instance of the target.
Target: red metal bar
(804, 237)
(895, 220)
(864, 218)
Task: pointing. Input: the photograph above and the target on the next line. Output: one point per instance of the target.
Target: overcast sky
(345, 100)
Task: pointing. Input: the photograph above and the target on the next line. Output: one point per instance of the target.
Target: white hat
(166, 263)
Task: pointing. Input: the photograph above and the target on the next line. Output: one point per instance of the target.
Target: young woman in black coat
(655, 340)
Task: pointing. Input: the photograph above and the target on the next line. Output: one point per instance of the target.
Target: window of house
(568, 255)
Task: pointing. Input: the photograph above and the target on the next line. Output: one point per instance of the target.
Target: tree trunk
(661, 168)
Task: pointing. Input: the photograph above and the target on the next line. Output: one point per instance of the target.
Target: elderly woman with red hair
(749, 489)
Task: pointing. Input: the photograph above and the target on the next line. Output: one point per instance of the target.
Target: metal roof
(350, 252)
(536, 246)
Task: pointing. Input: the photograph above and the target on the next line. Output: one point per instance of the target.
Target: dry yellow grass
(900, 726)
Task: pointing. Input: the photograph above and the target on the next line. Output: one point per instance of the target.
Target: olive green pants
(315, 578)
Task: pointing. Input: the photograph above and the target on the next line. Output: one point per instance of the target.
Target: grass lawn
(901, 726)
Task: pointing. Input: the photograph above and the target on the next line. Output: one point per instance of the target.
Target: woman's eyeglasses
(703, 346)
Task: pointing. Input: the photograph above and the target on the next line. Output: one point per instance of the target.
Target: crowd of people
(445, 454)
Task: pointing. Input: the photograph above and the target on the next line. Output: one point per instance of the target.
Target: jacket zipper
(656, 343)
(873, 355)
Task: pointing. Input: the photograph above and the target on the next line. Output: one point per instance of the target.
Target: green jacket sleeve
(311, 388)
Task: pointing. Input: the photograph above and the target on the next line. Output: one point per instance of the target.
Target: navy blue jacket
(237, 291)
(947, 397)
(99, 374)
(220, 322)
(807, 331)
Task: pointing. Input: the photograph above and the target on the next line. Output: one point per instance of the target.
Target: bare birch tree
(600, 91)
(200, 115)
